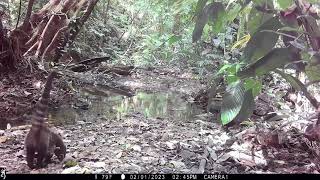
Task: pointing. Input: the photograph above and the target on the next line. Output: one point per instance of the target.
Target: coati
(41, 142)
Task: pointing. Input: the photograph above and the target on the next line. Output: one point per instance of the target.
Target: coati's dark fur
(41, 142)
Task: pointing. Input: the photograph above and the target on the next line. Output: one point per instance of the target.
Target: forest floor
(157, 130)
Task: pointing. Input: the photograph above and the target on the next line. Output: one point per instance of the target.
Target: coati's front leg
(43, 152)
(30, 156)
(60, 149)
(56, 147)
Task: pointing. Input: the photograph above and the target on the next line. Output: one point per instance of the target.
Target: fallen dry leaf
(3, 139)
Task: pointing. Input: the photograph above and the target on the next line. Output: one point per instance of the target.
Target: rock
(72, 170)
(136, 148)
(148, 159)
(118, 156)
(99, 165)
(178, 164)
(69, 162)
(20, 154)
(3, 139)
(162, 161)
(76, 170)
(170, 145)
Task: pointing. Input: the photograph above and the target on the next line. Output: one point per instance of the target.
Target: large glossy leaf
(313, 72)
(276, 58)
(256, 17)
(262, 41)
(283, 4)
(212, 11)
(314, 1)
(173, 39)
(237, 103)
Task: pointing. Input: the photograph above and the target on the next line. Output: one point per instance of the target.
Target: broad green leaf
(218, 17)
(313, 72)
(261, 2)
(314, 1)
(255, 85)
(247, 107)
(237, 103)
(233, 12)
(232, 78)
(256, 18)
(220, 20)
(276, 58)
(262, 41)
(173, 39)
(283, 4)
(224, 68)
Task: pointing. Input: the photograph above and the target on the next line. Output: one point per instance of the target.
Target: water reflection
(113, 106)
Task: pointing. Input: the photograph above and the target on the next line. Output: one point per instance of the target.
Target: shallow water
(107, 105)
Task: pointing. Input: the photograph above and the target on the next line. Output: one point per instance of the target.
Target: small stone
(171, 145)
(136, 148)
(178, 164)
(20, 154)
(71, 170)
(118, 156)
(99, 164)
(162, 161)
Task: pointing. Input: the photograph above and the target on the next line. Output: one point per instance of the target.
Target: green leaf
(256, 18)
(313, 1)
(237, 103)
(255, 85)
(283, 4)
(218, 21)
(262, 41)
(232, 78)
(313, 72)
(276, 58)
(225, 67)
(173, 39)
(233, 12)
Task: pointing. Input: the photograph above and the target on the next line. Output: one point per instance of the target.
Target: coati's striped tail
(40, 112)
